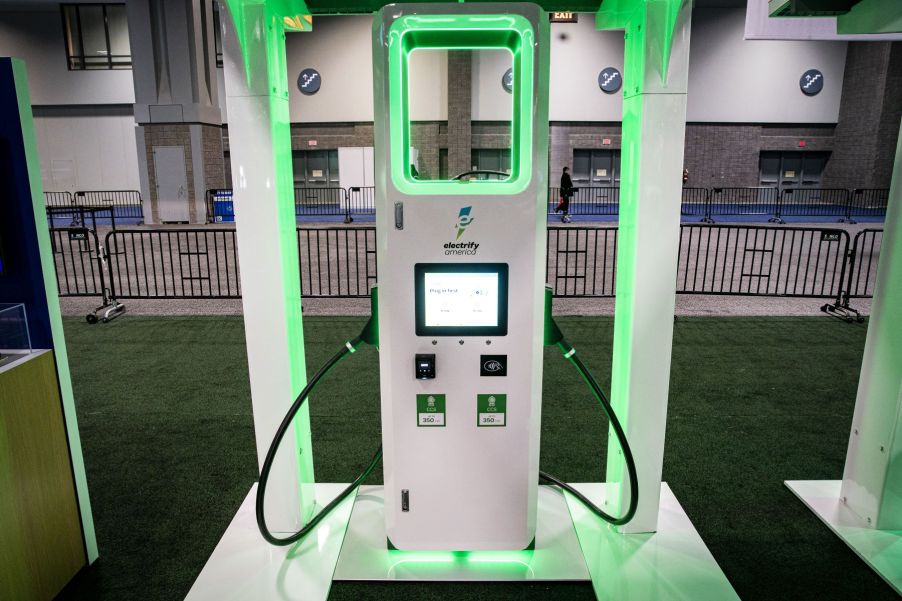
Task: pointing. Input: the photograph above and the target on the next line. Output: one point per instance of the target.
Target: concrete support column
(176, 106)
(656, 67)
(460, 109)
(872, 479)
(869, 116)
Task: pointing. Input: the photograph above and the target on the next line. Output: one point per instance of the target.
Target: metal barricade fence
(758, 200)
(595, 200)
(337, 262)
(704, 203)
(307, 202)
(761, 260)
(122, 203)
(58, 199)
(59, 205)
(868, 202)
(362, 200)
(203, 263)
(195, 263)
(580, 261)
(340, 262)
(862, 273)
(320, 201)
(78, 259)
(813, 202)
(694, 202)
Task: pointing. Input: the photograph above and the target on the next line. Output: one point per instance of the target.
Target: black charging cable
(554, 336)
(369, 335)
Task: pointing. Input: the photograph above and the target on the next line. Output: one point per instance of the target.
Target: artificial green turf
(165, 416)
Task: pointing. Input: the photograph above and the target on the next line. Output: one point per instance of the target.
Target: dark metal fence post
(778, 206)
(709, 213)
(343, 195)
(847, 218)
(209, 203)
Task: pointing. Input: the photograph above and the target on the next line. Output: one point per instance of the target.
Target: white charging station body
(461, 277)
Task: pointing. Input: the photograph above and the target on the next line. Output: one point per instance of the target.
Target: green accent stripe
(33, 161)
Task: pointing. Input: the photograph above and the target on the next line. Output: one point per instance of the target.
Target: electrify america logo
(462, 248)
(463, 220)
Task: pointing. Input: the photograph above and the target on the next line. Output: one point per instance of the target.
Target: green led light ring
(461, 32)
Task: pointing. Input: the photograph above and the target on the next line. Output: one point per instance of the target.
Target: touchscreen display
(461, 299)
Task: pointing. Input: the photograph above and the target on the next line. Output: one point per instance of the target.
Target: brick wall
(214, 162)
(491, 134)
(716, 154)
(869, 115)
(460, 105)
(723, 155)
(428, 137)
(890, 119)
(327, 135)
(564, 138)
(862, 144)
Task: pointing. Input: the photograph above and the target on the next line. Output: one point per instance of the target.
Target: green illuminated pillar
(872, 479)
(655, 75)
(48, 269)
(260, 139)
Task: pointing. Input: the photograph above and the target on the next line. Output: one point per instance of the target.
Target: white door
(172, 182)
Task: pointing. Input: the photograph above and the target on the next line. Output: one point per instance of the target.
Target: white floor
(245, 567)
(672, 563)
(880, 549)
(571, 544)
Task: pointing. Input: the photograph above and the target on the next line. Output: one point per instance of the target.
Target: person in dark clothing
(566, 194)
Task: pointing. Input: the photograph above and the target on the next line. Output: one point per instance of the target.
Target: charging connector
(554, 336)
(370, 334)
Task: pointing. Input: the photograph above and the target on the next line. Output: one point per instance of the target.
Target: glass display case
(15, 342)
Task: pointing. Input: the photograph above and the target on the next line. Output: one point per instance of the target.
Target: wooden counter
(41, 545)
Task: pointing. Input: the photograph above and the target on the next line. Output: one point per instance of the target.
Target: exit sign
(564, 17)
(311, 142)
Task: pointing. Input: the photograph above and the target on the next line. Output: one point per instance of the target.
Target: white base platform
(880, 549)
(365, 556)
(243, 566)
(672, 563)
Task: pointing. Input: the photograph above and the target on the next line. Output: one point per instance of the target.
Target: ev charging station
(460, 318)
(462, 295)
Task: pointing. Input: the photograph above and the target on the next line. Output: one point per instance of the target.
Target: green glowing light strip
(461, 32)
(48, 267)
(260, 27)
